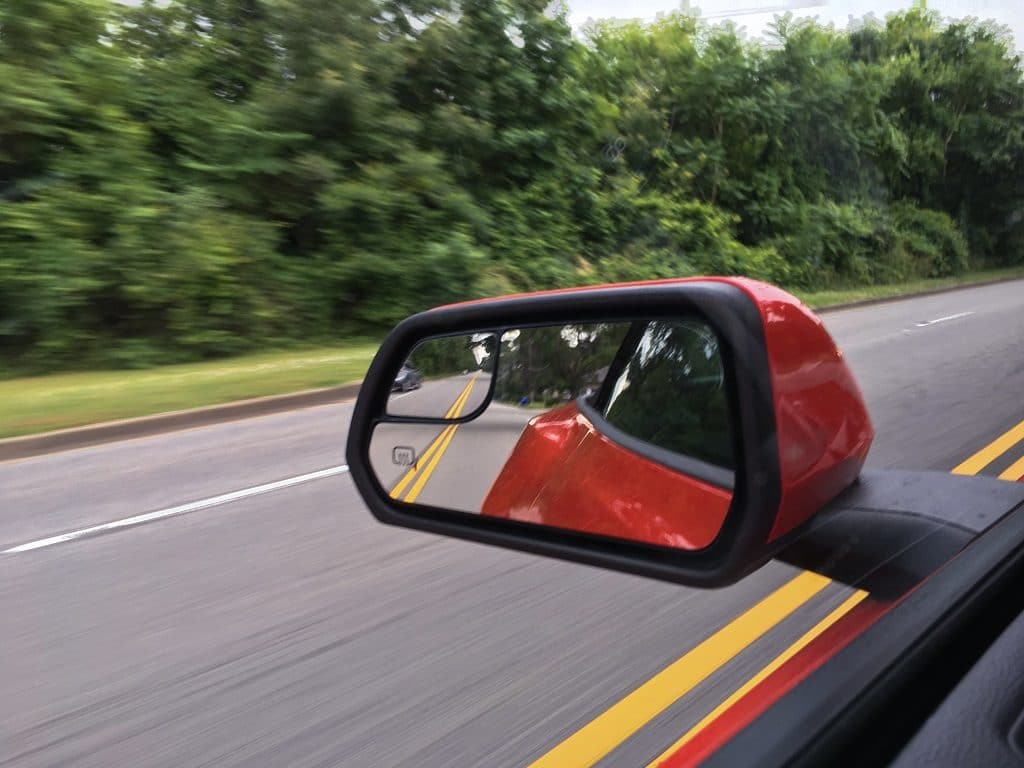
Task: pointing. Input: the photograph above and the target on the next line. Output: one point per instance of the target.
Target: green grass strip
(44, 403)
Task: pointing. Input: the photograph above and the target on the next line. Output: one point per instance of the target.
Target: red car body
(559, 474)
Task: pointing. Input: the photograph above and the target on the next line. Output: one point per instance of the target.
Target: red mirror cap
(823, 428)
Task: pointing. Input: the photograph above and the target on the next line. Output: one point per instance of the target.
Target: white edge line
(182, 509)
(957, 316)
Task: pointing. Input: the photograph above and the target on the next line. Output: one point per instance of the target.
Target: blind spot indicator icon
(403, 455)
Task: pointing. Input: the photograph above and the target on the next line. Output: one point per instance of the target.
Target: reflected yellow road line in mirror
(453, 413)
(844, 608)
(460, 401)
(991, 452)
(428, 470)
(417, 487)
(605, 732)
(420, 462)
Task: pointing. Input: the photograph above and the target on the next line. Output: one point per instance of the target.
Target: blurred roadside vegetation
(42, 403)
(199, 178)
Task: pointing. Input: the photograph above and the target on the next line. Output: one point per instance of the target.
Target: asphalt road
(283, 626)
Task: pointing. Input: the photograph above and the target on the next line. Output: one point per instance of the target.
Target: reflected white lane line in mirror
(181, 509)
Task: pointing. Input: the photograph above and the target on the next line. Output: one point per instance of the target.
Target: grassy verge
(816, 299)
(44, 403)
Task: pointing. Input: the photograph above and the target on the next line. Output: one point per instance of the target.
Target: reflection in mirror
(542, 367)
(621, 429)
(444, 378)
(671, 393)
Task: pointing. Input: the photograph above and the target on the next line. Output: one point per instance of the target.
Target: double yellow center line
(993, 451)
(613, 726)
(844, 608)
(608, 730)
(429, 459)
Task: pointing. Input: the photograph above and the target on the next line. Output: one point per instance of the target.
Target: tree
(199, 177)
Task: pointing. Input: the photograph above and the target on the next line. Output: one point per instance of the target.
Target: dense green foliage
(194, 178)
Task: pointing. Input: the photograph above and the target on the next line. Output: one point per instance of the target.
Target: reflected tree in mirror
(550, 365)
(451, 355)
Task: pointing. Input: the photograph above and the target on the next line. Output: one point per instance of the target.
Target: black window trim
(618, 365)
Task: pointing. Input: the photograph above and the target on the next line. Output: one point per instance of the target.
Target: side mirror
(676, 429)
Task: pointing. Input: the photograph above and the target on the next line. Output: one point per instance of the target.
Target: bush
(676, 238)
(845, 244)
(172, 278)
(932, 241)
(189, 178)
(830, 244)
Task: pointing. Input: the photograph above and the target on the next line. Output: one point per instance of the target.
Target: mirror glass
(444, 378)
(621, 429)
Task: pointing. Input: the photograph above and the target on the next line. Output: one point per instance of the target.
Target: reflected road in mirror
(430, 382)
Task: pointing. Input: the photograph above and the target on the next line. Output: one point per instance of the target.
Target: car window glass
(672, 393)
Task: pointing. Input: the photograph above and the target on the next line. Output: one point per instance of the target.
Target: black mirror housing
(742, 544)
